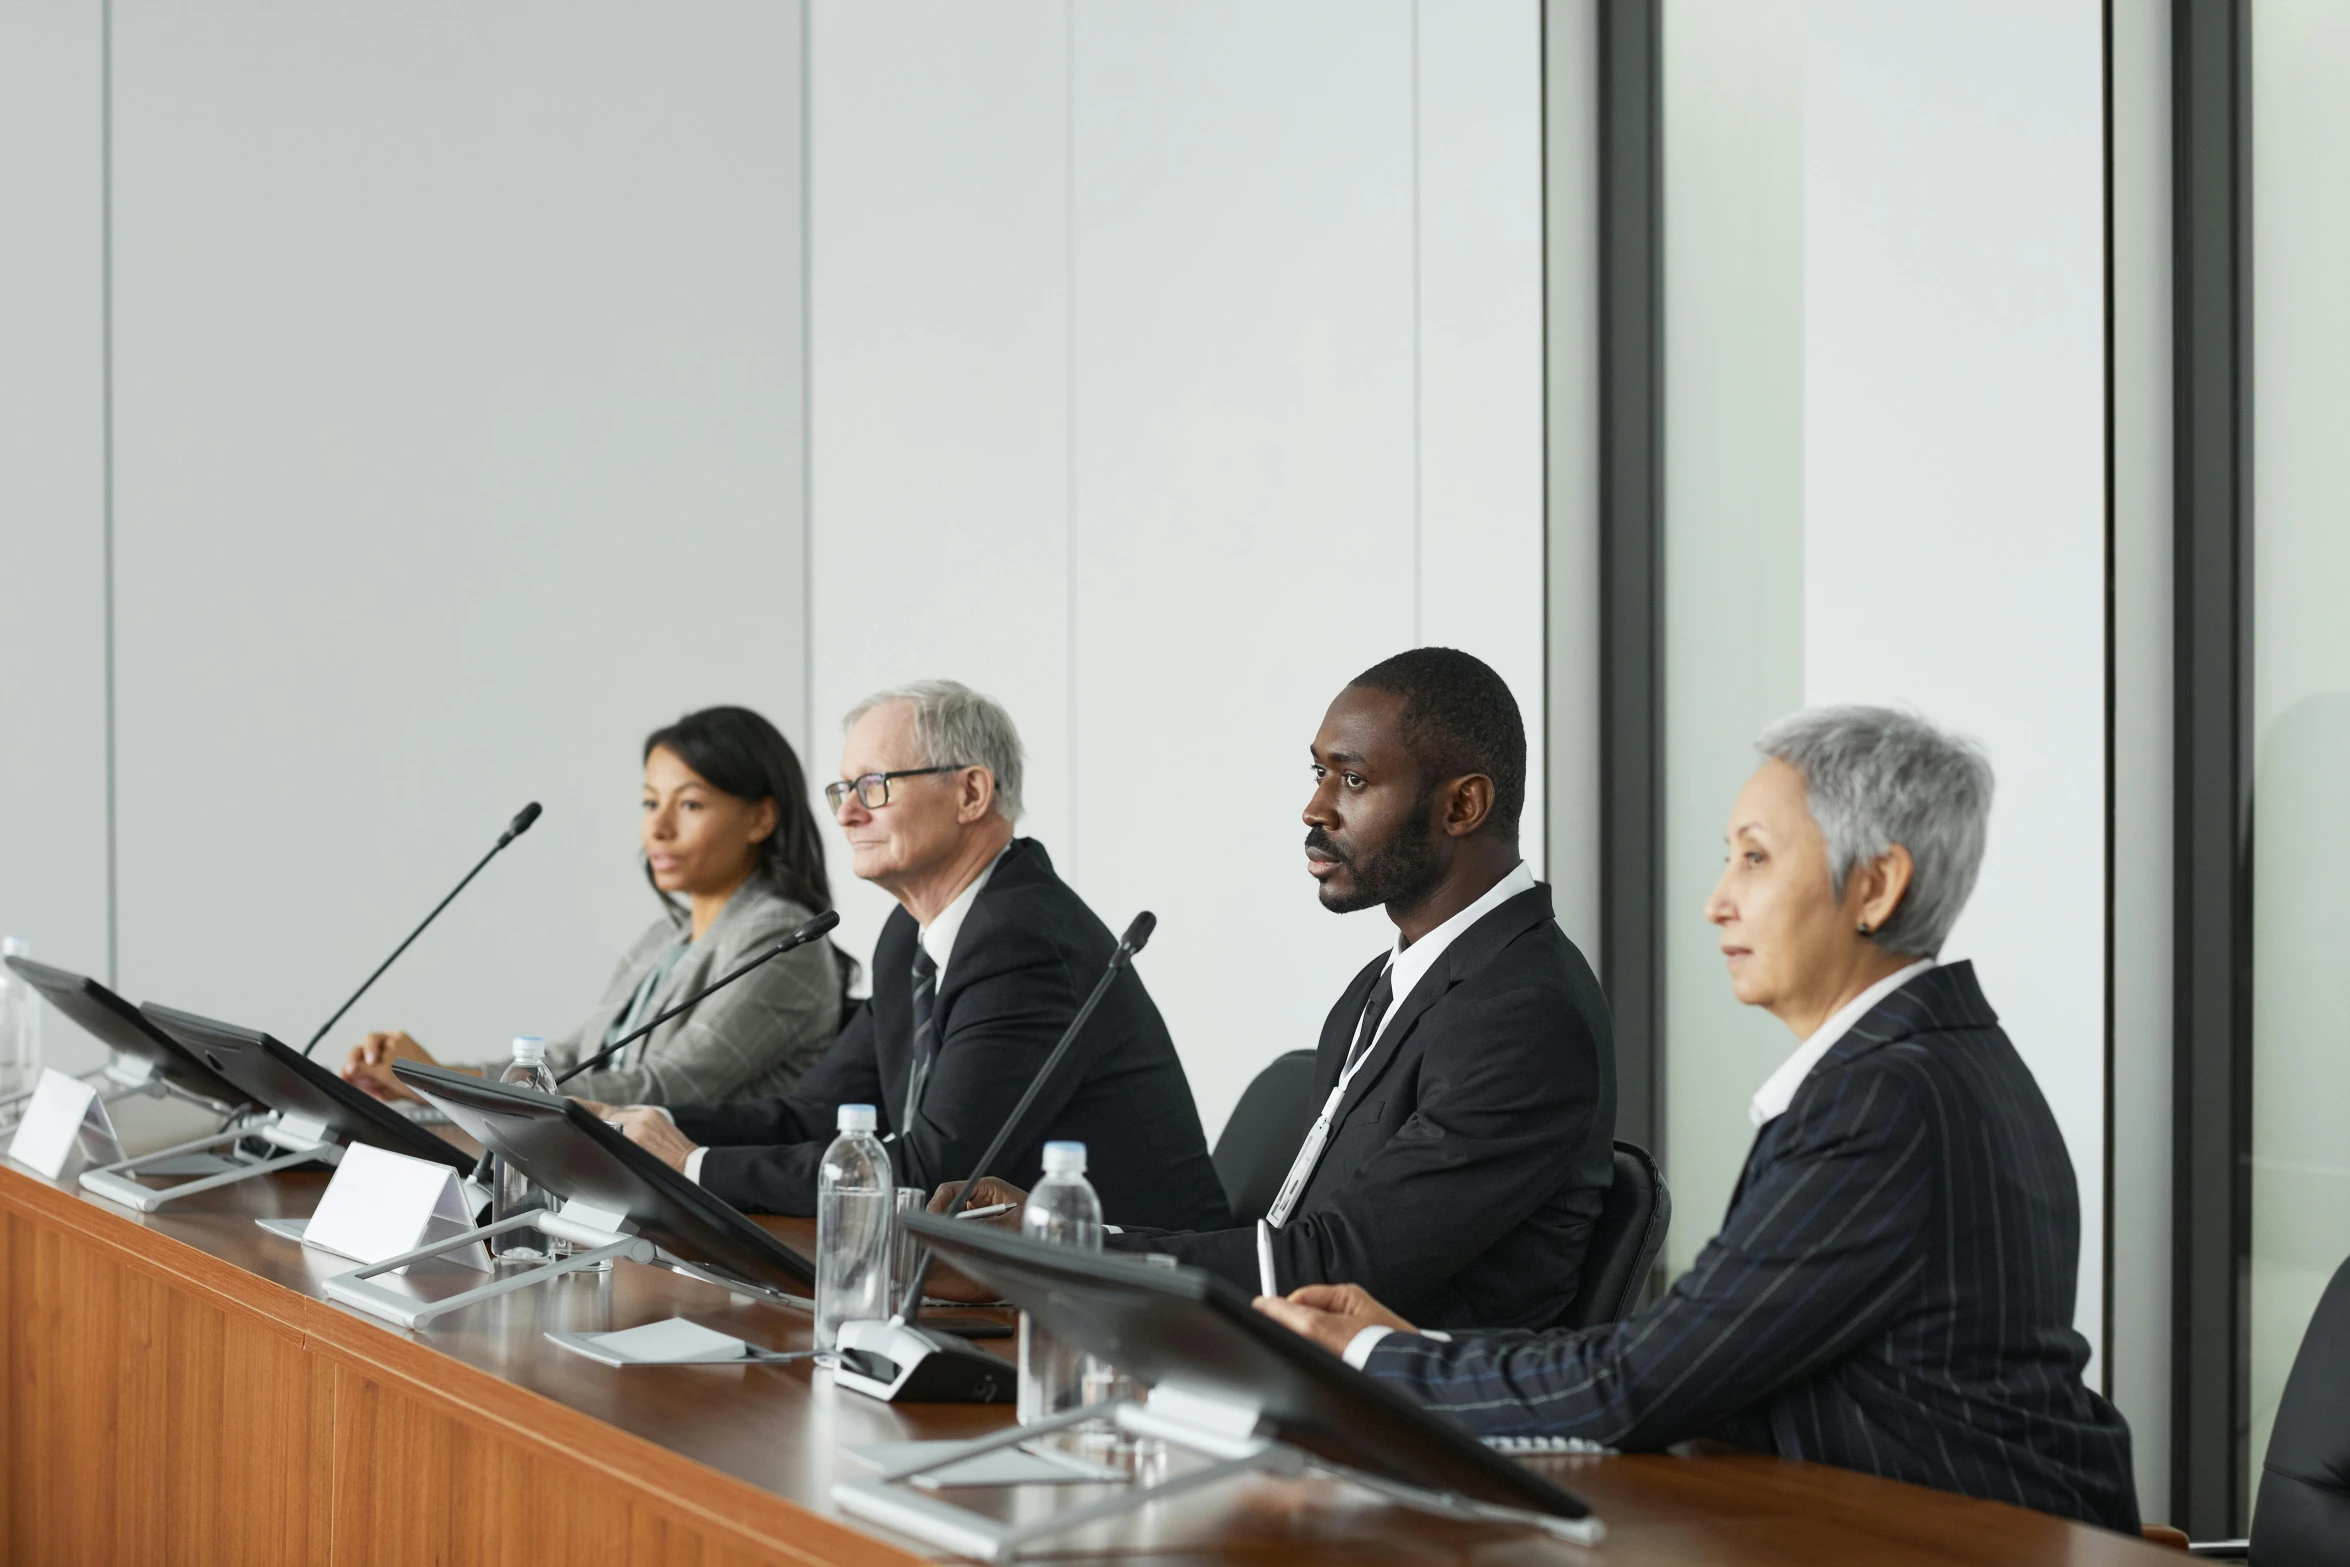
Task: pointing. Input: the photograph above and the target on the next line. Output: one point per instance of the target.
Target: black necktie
(1374, 1010)
(925, 1028)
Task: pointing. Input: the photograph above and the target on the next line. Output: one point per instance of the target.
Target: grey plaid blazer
(1891, 1292)
(752, 1039)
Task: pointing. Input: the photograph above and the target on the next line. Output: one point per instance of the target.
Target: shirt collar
(1778, 1091)
(938, 937)
(1409, 965)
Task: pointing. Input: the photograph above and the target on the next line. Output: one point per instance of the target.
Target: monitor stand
(122, 1077)
(1224, 1433)
(301, 1139)
(601, 1235)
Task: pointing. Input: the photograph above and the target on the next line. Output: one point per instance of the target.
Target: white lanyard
(1301, 1170)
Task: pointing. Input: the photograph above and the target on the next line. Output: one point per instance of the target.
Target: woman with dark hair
(727, 829)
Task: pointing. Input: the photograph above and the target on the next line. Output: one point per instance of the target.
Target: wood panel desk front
(179, 1391)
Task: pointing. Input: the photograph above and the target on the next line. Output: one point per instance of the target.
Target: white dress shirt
(937, 938)
(1409, 965)
(1778, 1091)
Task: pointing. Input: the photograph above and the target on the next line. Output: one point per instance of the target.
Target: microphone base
(899, 1364)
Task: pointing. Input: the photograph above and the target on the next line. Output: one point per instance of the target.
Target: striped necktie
(925, 1029)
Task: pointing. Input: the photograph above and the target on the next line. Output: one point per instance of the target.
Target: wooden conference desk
(179, 1391)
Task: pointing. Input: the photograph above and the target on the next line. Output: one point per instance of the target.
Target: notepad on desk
(672, 1342)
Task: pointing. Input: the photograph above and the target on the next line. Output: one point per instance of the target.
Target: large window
(2300, 685)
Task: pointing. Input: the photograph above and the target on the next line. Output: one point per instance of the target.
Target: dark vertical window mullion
(1631, 556)
(2210, 116)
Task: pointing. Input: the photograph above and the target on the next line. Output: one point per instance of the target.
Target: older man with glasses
(977, 973)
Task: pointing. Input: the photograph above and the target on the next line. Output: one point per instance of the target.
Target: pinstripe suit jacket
(1892, 1290)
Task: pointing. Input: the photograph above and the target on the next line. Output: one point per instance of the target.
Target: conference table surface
(753, 1450)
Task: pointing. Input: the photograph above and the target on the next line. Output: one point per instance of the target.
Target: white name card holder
(600, 1235)
(1223, 1432)
(382, 1203)
(63, 1117)
(301, 1139)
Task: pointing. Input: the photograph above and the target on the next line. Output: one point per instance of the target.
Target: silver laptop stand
(601, 1235)
(302, 1139)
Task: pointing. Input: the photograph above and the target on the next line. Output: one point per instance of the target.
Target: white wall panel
(2138, 1359)
(52, 495)
(1479, 89)
(458, 403)
(1244, 482)
(1124, 390)
(1954, 423)
(1733, 589)
(938, 375)
(1570, 115)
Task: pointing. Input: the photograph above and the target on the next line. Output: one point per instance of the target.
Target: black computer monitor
(564, 1147)
(117, 1025)
(288, 1082)
(1190, 1331)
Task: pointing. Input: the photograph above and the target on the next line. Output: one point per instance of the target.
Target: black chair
(1261, 1140)
(1631, 1231)
(2302, 1517)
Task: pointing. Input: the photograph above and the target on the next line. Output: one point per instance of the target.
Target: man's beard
(1404, 870)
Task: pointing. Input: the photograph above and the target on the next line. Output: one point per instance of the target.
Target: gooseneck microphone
(910, 1307)
(514, 829)
(814, 930)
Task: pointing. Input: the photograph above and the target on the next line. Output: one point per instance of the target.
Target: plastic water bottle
(1064, 1211)
(514, 1192)
(855, 1200)
(20, 1023)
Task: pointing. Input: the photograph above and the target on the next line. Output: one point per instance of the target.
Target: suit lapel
(1406, 1016)
(1940, 998)
(1338, 1030)
(1468, 953)
(893, 1011)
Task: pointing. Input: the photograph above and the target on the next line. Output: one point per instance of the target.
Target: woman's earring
(1864, 927)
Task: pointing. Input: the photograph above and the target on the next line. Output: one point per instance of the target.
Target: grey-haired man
(977, 973)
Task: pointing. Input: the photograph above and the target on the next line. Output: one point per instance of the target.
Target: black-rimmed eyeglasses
(873, 788)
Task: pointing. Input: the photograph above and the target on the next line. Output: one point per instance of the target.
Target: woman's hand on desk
(370, 1064)
(1330, 1314)
(652, 1131)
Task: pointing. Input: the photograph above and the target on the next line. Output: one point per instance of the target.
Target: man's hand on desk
(1330, 1314)
(650, 1130)
(369, 1065)
(991, 1193)
(944, 1281)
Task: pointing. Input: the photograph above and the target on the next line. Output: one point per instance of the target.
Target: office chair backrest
(1267, 1128)
(1631, 1231)
(2302, 1518)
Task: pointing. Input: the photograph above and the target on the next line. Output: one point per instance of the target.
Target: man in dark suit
(1466, 1077)
(1893, 1288)
(977, 973)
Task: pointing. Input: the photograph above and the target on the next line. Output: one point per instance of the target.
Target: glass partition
(2301, 684)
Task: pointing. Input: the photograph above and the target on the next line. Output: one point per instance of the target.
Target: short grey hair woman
(1851, 851)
